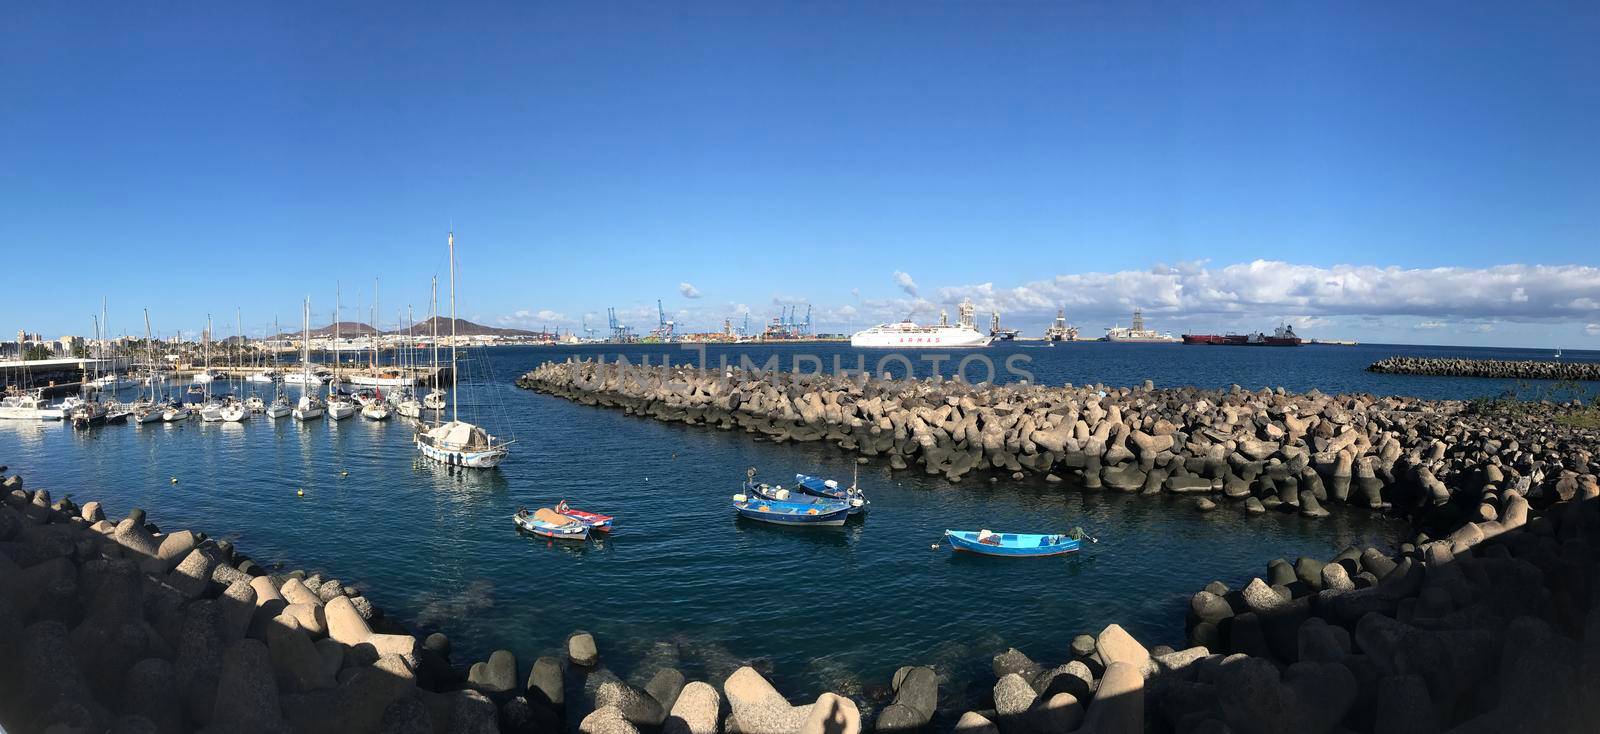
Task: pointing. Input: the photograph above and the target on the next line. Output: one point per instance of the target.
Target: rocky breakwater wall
(1436, 461)
(1502, 368)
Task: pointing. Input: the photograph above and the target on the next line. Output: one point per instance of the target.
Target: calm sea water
(817, 609)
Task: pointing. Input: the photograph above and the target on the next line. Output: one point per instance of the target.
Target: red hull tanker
(1283, 336)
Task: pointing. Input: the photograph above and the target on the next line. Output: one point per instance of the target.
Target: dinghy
(825, 513)
(596, 521)
(1011, 544)
(547, 523)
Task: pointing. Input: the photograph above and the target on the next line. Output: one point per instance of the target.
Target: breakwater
(1434, 461)
(1525, 369)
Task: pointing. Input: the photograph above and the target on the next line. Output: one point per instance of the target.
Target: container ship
(1283, 336)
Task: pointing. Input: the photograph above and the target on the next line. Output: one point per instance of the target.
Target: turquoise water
(817, 609)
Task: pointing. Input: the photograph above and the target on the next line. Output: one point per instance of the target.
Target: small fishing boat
(547, 523)
(1011, 544)
(596, 521)
(827, 488)
(820, 514)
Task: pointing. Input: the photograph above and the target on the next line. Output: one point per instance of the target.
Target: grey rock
(247, 696)
(545, 686)
(582, 650)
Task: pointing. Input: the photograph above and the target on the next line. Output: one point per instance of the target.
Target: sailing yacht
(340, 406)
(434, 400)
(279, 407)
(91, 412)
(234, 408)
(310, 406)
(459, 443)
(149, 409)
(407, 404)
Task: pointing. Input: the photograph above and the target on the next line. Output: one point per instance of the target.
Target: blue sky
(1419, 172)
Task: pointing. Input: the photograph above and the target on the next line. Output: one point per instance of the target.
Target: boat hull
(1012, 545)
(797, 514)
(471, 459)
(572, 531)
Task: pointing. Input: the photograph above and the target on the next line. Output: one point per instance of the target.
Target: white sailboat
(150, 410)
(279, 407)
(340, 406)
(207, 374)
(310, 406)
(376, 409)
(459, 443)
(435, 398)
(234, 409)
(408, 405)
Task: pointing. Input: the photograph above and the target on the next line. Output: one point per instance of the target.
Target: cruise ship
(908, 335)
(1137, 333)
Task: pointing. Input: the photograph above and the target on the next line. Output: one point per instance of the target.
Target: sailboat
(279, 407)
(408, 404)
(376, 409)
(434, 400)
(310, 406)
(91, 412)
(340, 406)
(459, 443)
(234, 409)
(207, 374)
(149, 410)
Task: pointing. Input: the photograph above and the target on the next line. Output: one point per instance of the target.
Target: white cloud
(688, 290)
(1268, 289)
(1428, 325)
(905, 282)
(1592, 329)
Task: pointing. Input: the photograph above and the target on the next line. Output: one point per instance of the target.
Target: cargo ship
(1283, 336)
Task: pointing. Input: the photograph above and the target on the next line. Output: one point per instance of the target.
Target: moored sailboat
(459, 443)
(310, 407)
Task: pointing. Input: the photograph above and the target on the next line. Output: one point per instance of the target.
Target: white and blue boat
(1018, 545)
(824, 513)
(829, 489)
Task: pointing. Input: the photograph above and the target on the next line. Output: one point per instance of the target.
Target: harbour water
(816, 609)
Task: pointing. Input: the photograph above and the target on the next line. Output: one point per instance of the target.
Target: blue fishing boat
(547, 523)
(829, 489)
(816, 514)
(1011, 544)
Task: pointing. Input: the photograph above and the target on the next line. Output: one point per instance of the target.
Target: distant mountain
(423, 329)
(463, 328)
(346, 329)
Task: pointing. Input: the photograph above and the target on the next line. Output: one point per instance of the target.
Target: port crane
(619, 334)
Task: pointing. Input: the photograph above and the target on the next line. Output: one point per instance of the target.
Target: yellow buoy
(300, 493)
(174, 480)
(343, 473)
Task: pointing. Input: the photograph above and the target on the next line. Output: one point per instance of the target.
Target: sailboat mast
(150, 354)
(433, 316)
(455, 401)
(336, 297)
(305, 344)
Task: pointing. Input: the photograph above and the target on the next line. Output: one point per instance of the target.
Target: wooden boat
(547, 523)
(827, 488)
(816, 514)
(596, 521)
(1011, 544)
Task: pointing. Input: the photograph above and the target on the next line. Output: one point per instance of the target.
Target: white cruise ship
(908, 335)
